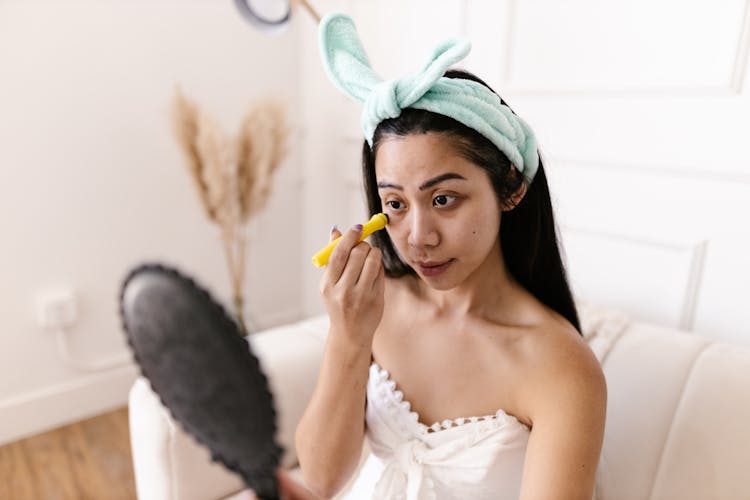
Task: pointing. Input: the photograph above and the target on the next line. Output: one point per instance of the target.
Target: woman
(454, 343)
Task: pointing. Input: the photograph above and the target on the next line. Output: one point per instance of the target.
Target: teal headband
(466, 101)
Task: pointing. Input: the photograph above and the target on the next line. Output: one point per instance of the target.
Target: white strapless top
(473, 457)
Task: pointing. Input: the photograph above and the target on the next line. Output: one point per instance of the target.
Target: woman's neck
(489, 292)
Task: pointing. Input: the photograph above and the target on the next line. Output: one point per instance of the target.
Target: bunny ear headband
(466, 101)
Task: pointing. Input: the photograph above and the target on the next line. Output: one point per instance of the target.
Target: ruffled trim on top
(393, 399)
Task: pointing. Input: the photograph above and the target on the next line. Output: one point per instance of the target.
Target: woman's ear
(515, 198)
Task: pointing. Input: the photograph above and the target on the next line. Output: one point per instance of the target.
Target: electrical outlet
(57, 308)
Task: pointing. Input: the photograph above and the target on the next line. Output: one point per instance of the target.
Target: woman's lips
(434, 268)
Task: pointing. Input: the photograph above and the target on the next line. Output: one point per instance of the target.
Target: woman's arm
(330, 434)
(331, 431)
(568, 416)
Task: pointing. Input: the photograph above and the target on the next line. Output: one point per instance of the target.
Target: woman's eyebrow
(425, 185)
(439, 179)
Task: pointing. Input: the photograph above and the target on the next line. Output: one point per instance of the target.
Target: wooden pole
(310, 10)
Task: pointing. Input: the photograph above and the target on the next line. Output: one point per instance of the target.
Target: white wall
(92, 181)
(643, 116)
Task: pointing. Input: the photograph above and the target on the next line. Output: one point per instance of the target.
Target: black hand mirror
(203, 370)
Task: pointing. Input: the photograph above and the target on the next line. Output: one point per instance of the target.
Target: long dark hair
(528, 235)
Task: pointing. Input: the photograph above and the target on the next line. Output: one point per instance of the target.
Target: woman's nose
(422, 231)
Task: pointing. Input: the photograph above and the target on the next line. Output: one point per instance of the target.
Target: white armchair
(677, 416)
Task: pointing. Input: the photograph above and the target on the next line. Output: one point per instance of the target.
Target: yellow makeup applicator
(376, 223)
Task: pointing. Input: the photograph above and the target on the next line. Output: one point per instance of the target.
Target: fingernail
(334, 228)
(357, 227)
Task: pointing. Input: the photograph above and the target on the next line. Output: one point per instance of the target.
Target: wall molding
(510, 37)
(698, 251)
(682, 172)
(464, 22)
(693, 286)
(733, 85)
(743, 52)
(593, 93)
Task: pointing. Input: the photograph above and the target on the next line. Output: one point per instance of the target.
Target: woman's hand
(288, 488)
(352, 286)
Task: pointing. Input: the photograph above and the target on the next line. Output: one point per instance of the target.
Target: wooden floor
(86, 460)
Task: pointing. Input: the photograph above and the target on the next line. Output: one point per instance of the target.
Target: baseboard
(62, 404)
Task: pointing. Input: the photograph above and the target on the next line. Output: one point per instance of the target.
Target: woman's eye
(443, 200)
(394, 205)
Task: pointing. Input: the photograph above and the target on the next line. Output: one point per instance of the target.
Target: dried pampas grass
(185, 116)
(261, 146)
(215, 184)
(233, 183)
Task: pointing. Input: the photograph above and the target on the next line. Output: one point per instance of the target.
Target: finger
(340, 254)
(370, 269)
(335, 233)
(354, 265)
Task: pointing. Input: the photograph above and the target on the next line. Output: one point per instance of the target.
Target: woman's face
(444, 214)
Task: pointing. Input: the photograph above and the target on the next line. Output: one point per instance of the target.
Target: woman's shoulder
(557, 346)
(557, 361)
